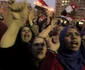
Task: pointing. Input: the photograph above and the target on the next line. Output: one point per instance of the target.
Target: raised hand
(49, 13)
(53, 43)
(53, 22)
(32, 16)
(19, 11)
(11, 2)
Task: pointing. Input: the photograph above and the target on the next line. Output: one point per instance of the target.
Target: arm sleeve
(50, 62)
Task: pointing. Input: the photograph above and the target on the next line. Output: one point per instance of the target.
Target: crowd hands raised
(36, 41)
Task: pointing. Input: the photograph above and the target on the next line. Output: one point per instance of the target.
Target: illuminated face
(26, 34)
(83, 40)
(72, 39)
(39, 48)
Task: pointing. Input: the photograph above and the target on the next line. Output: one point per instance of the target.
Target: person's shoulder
(83, 67)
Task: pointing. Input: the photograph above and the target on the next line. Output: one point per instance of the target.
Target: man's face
(39, 48)
(72, 39)
(26, 34)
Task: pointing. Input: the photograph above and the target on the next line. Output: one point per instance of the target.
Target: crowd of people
(40, 41)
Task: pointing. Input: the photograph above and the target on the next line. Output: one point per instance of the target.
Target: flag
(83, 19)
(40, 4)
(71, 7)
(69, 17)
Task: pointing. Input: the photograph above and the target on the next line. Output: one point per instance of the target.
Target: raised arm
(9, 37)
(19, 19)
(50, 62)
(46, 31)
(9, 18)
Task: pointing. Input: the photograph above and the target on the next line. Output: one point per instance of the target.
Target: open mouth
(26, 35)
(74, 43)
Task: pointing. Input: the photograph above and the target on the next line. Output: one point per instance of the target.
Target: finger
(11, 2)
(50, 41)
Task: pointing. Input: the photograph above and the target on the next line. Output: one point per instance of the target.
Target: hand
(53, 22)
(49, 13)
(11, 1)
(53, 43)
(19, 11)
(32, 16)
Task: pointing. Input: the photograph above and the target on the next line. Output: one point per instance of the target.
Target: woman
(14, 48)
(25, 36)
(68, 56)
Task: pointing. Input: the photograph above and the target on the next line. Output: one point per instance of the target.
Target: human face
(39, 48)
(72, 39)
(26, 34)
(83, 40)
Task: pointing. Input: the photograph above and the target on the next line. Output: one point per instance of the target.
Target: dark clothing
(17, 57)
(3, 29)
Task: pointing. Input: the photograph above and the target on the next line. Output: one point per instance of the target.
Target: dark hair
(33, 41)
(19, 33)
(79, 26)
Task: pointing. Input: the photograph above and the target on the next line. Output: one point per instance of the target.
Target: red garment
(3, 29)
(51, 63)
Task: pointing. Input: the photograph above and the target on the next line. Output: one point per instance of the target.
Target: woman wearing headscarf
(68, 56)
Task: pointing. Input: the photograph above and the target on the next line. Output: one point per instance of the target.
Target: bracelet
(54, 52)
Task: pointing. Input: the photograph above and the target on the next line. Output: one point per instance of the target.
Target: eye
(23, 30)
(29, 31)
(36, 44)
(68, 34)
(77, 34)
(42, 44)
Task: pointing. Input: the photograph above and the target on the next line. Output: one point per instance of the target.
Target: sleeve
(50, 62)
